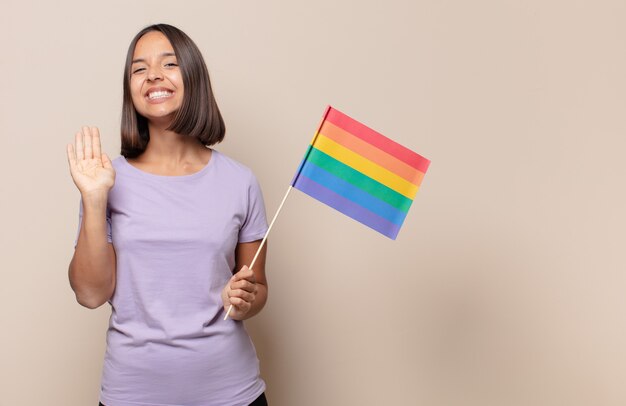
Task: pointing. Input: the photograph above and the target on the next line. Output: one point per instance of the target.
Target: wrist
(95, 198)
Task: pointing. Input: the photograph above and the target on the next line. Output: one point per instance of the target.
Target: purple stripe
(347, 207)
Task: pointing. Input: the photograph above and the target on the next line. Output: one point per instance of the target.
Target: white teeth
(159, 94)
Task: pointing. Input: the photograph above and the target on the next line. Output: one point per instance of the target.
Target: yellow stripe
(365, 166)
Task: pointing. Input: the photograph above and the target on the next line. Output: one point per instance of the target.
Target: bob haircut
(198, 117)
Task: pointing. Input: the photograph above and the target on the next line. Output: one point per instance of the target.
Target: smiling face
(156, 83)
(160, 94)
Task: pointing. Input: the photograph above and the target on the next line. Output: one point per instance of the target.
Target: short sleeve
(254, 226)
(80, 221)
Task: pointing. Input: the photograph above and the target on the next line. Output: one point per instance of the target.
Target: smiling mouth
(160, 94)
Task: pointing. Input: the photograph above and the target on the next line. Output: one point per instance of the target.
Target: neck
(170, 148)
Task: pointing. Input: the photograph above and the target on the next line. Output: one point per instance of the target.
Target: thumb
(244, 272)
(106, 161)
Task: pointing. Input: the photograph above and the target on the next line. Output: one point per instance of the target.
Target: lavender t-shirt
(175, 239)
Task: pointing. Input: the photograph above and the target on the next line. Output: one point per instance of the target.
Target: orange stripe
(370, 152)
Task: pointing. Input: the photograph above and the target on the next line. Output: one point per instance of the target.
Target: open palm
(91, 170)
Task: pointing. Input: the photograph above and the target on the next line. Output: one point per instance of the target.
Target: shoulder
(235, 169)
(117, 162)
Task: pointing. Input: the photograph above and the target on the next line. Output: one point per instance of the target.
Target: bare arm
(92, 269)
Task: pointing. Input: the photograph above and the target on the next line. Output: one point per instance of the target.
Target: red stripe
(377, 139)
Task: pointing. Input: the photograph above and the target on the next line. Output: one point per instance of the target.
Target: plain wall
(505, 285)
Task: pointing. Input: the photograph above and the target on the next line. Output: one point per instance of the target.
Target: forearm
(92, 269)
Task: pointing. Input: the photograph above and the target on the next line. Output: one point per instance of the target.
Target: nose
(154, 73)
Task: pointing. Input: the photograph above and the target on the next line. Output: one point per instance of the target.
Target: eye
(171, 64)
(139, 70)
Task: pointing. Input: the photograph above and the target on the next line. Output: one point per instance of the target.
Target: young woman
(165, 231)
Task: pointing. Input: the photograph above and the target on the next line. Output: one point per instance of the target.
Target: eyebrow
(163, 54)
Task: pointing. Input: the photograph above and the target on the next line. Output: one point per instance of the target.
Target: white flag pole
(264, 238)
(293, 182)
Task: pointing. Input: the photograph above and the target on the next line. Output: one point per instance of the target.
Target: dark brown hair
(198, 117)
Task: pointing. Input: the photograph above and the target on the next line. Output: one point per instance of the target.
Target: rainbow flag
(361, 173)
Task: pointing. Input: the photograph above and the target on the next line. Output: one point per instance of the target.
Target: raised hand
(91, 170)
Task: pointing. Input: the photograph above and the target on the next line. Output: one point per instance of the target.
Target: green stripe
(359, 180)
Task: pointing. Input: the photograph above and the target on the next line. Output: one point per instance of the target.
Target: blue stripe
(353, 193)
(347, 207)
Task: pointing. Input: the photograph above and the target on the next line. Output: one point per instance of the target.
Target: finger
(106, 161)
(71, 158)
(244, 285)
(249, 278)
(95, 136)
(71, 155)
(245, 273)
(240, 304)
(247, 294)
(242, 294)
(80, 152)
(88, 147)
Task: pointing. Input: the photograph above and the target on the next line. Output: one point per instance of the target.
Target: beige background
(506, 285)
